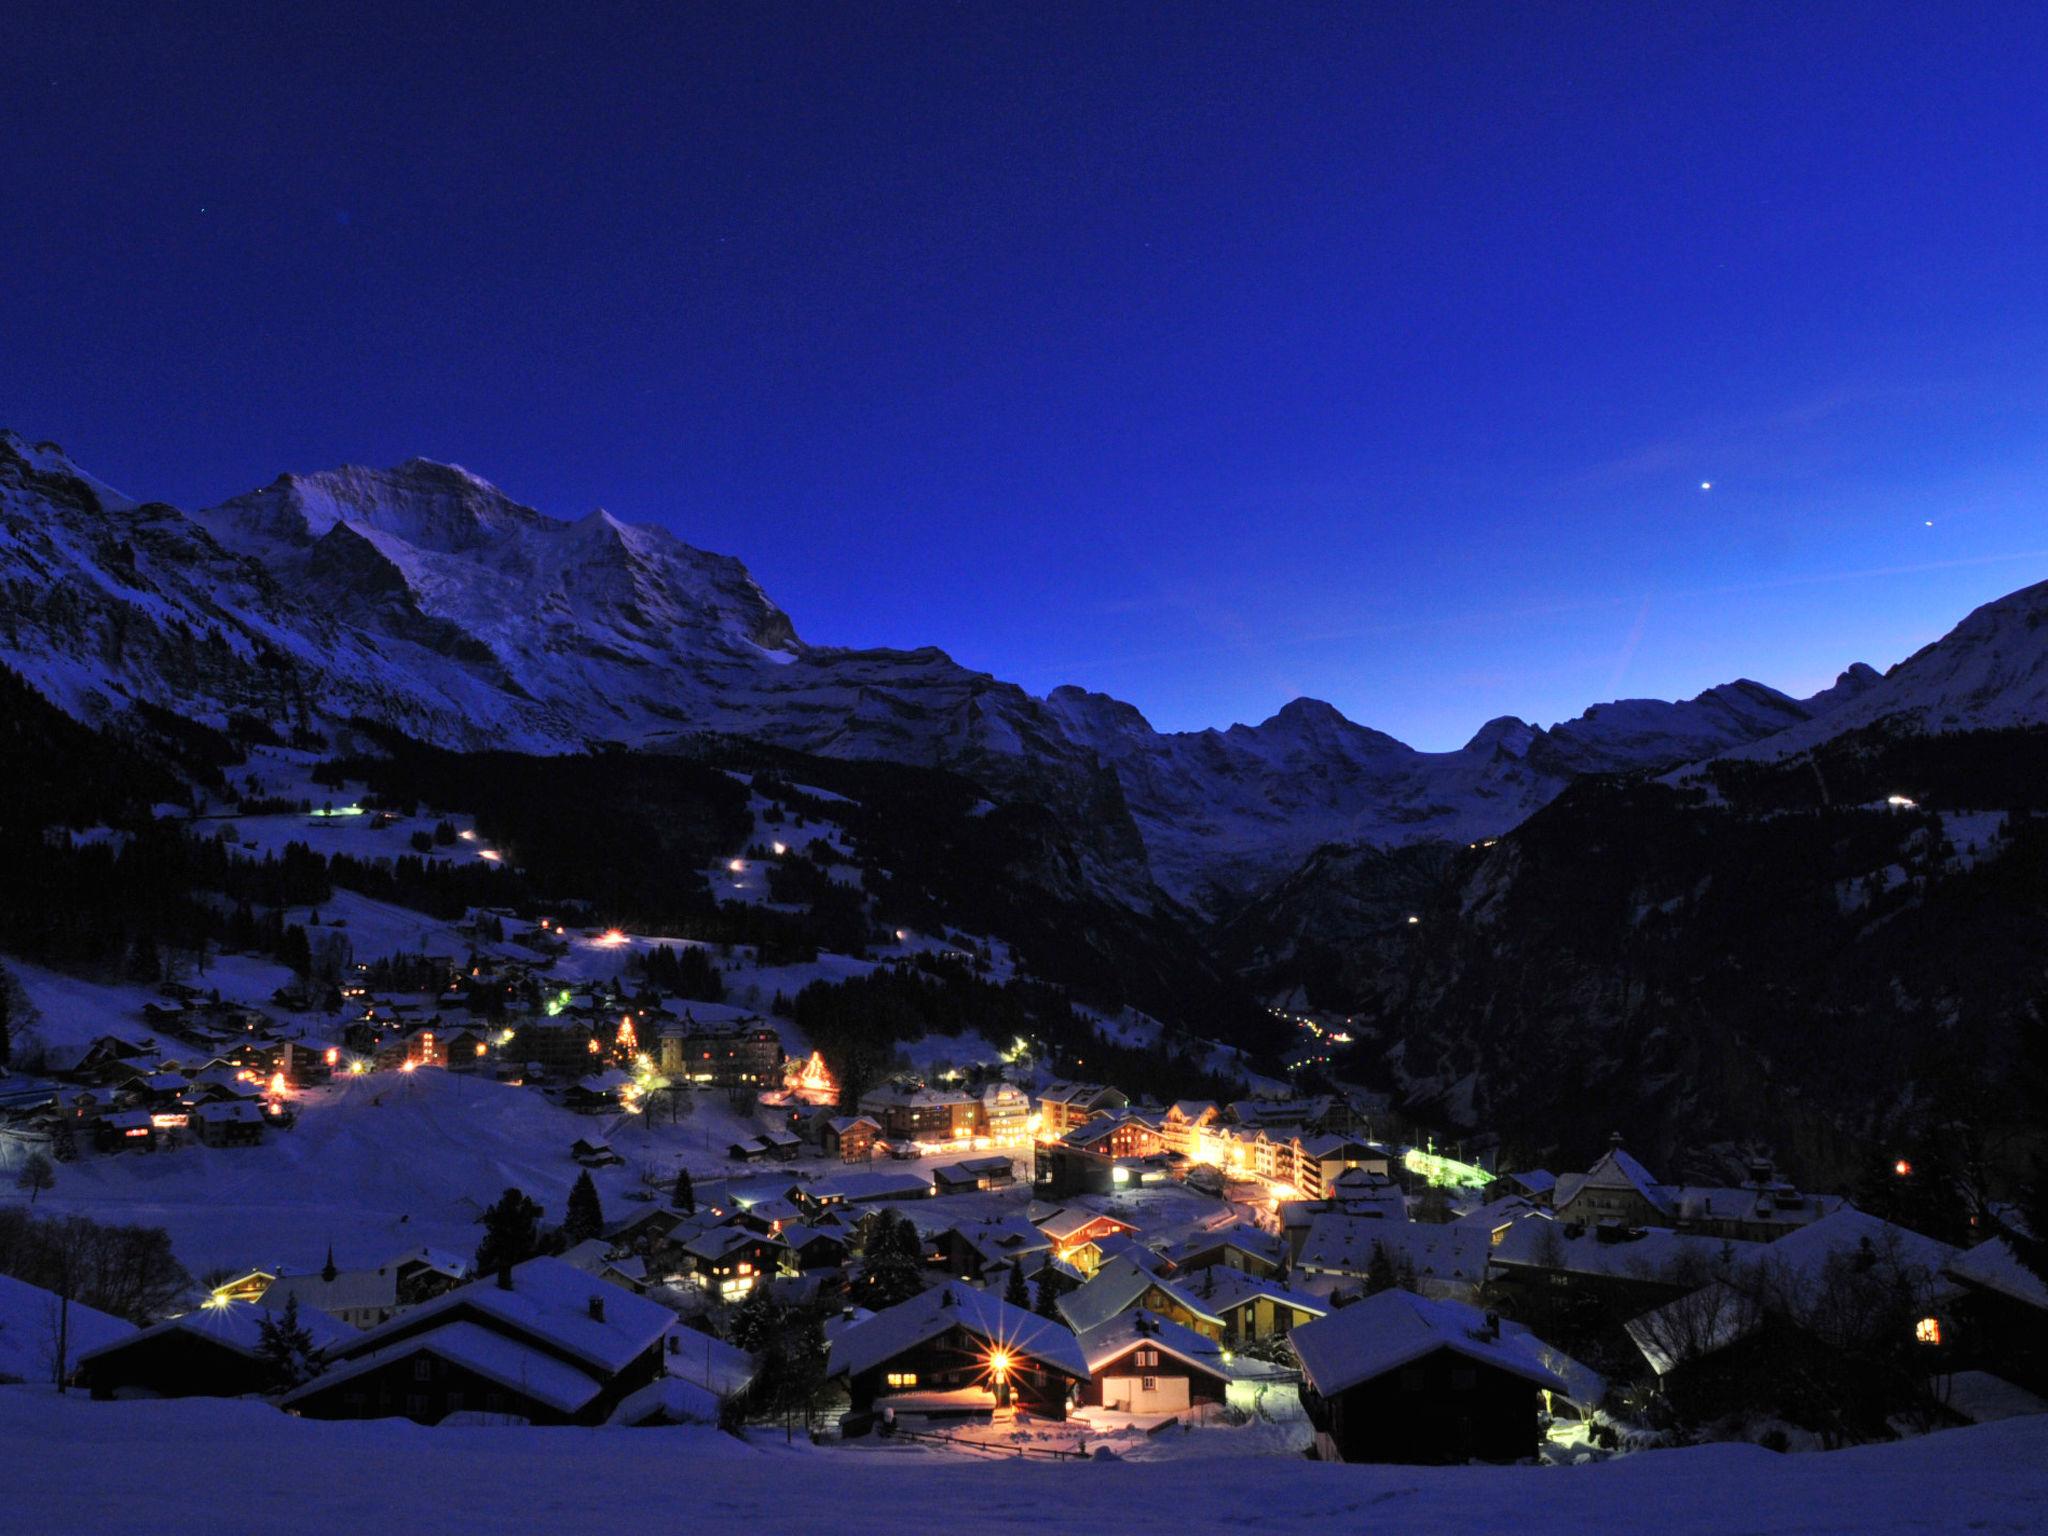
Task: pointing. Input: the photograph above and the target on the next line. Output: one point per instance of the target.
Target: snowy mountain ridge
(424, 596)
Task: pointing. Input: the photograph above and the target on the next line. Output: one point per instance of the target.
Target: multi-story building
(721, 1055)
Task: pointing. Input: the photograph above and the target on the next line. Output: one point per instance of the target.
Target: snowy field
(201, 1468)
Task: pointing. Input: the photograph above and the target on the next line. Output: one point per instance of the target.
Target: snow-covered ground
(73, 1464)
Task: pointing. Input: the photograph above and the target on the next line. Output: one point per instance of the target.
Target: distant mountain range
(425, 597)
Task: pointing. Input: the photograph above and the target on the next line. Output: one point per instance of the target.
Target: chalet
(954, 1350)
(1536, 1185)
(973, 1249)
(247, 1286)
(815, 1248)
(1236, 1245)
(974, 1173)
(362, 1298)
(849, 1137)
(1617, 1191)
(1071, 1227)
(1126, 1284)
(215, 1351)
(729, 1261)
(1396, 1377)
(594, 1152)
(233, 1123)
(2002, 1314)
(424, 1273)
(128, 1130)
(542, 1342)
(1139, 1363)
(1626, 1271)
(1251, 1307)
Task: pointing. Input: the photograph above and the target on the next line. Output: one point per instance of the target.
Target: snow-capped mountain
(424, 596)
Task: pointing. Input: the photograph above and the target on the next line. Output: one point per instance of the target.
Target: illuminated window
(1928, 1330)
(902, 1378)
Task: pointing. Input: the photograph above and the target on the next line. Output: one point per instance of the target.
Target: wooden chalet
(543, 1342)
(851, 1138)
(956, 1351)
(1396, 1377)
(1141, 1363)
(215, 1351)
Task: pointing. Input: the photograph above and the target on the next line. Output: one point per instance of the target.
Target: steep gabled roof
(1385, 1332)
(549, 1301)
(1110, 1342)
(238, 1325)
(516, 1366)
(926, 1316)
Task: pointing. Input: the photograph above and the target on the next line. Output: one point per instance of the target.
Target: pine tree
(1015, 1291)
(1379, 1271)
(757, 1321)
(511, 1233)
(685, 1198)
(892, 1269)
(286, 1346)
(585, 1218)
(1051, 1286)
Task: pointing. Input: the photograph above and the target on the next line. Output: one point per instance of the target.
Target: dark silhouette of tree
(585, 1218)
(684, 1198)
(511, 1233)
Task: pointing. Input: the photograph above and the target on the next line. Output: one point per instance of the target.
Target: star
(1706, 485)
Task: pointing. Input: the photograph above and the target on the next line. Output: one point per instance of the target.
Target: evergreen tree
(1015, 1291)
(1379, 1271)
(585, 1218)
(684, 1198)
(757, 1321)
(511, 1233)
(286, 1346)
(892, 1268)
(1051, 1286)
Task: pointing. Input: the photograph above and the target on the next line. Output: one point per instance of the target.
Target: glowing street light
(781, 849)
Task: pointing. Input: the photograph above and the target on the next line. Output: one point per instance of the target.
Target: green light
(1445, 1172)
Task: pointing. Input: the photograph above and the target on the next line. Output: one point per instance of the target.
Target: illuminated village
(984, 1258)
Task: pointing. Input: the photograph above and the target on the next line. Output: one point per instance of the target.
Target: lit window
(902, 1378)
(1928, 1330)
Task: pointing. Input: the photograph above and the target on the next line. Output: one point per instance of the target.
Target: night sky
(1207, 355)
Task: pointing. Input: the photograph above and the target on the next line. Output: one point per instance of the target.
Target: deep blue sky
(1205, 355)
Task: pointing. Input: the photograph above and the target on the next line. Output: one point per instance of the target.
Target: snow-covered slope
(1988, 673)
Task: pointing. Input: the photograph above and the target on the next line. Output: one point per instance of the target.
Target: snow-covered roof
(1996, 1267)
(1846, 1231)
(1240, 1235)
(1074, 1219)
(669, 1398)
(548, 1300)
(1127, 1330)
(1385, 1332)
(1616, 1169)
(516, 1366)
(956, 1305)
(1343, 1245)
(1221, 1290)
(28, 1330)
(717, 1367)
(1118, 1286)
(868, 1184)
(1541, 1242)
(351, 1290)
(238, 1325)
(1699, 1323)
